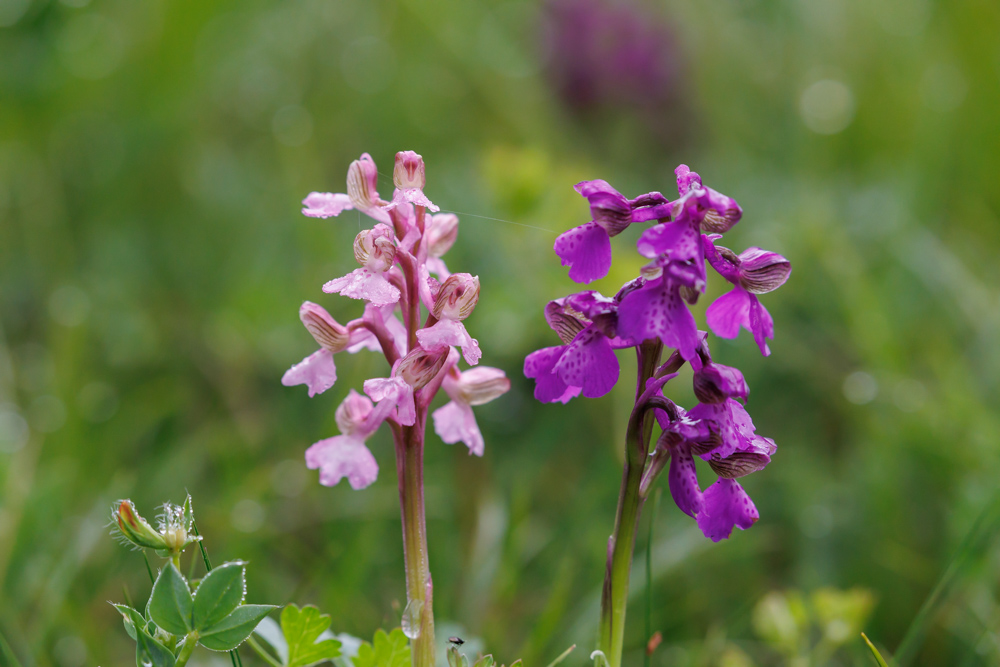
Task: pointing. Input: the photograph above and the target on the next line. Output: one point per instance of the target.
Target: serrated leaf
(148, 651)
(387, 650)
(170, 602)
(218, 594)
(302, 627)
(233, 630)
(131, 618)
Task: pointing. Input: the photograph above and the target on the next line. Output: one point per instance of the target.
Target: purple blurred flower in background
(614, 56)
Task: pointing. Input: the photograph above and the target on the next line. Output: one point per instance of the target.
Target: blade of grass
(985, 528)
(871, 647)
(7, 657)
(562, 656)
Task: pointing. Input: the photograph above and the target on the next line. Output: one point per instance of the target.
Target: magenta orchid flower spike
(651, 313)
(418, 323)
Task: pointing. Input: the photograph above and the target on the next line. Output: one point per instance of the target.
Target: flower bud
(330, 335)
(482, 384)
(762, 271)
(362, 181)
(135, 529)
(458, 295)
(420, 366)
(441, 232)
(715, 383)
(408, 171)
(352, 413)
(374, 248)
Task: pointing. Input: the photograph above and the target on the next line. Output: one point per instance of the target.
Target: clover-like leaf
(170, 602)
(148, 651)
(387, 650)
(218, 594)
(302, 627)
(132, 619)
(233, 630)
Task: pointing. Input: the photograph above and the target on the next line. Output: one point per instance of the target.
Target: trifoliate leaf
(218, 594)
(387, 650)
(233, 630)
(302, 627)
(170, 602)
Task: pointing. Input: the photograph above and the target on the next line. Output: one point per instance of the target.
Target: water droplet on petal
(411, 619)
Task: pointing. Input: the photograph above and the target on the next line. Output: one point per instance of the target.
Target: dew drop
(411, 619)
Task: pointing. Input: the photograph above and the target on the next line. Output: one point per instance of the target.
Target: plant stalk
(187, 648)
(614, 599)
(419, 587)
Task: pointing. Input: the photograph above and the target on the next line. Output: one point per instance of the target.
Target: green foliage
(812, 628)
(218, 594)
(302, 628)
(170, 602)
(386, 650)
(234, 628)
(150, 651)
(132, 619)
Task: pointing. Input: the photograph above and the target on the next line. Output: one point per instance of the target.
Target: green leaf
(218, 594)
(170, 602)
(302, 627)
(485, 661)
(388, 650)
(131, 618)
(232, 630)
(456, 658)
(148, 651)
(878, 656)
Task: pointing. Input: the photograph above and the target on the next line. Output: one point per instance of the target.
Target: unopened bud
(441, 232)
(482, 384)
(175, 537)
(135, 529)
(420, 366)
(374, 248)
(408, 171)
(762, 271)
(328, 333)
(351, 414)
(715, 383)
(362, 180)
(458, 295)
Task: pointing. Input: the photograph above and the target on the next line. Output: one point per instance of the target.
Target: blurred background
(152, 259)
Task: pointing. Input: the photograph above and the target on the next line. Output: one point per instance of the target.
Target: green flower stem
(190, 641)
(614, 598)
(419, 587)
(265, 656)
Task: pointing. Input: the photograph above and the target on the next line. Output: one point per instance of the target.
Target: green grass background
(152, 258)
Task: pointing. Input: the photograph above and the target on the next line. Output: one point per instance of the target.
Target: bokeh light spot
(827, 106)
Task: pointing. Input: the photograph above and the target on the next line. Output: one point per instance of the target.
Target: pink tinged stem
(614, 599)
(409, 441)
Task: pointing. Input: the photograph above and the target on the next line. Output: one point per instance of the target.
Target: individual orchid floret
(586, 363)
(439, 235)
(455, 421)
(420, 366)
(395, 392)
(318, 371)
(725, 506)
(454, 302)
(656, 309)
(717, 212)
(753, 272)
(346, 455)
(375, 250)
(409, 178)
(362, 179)
(587, 249)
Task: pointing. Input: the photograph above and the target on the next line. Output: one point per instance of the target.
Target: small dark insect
(457, 641)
